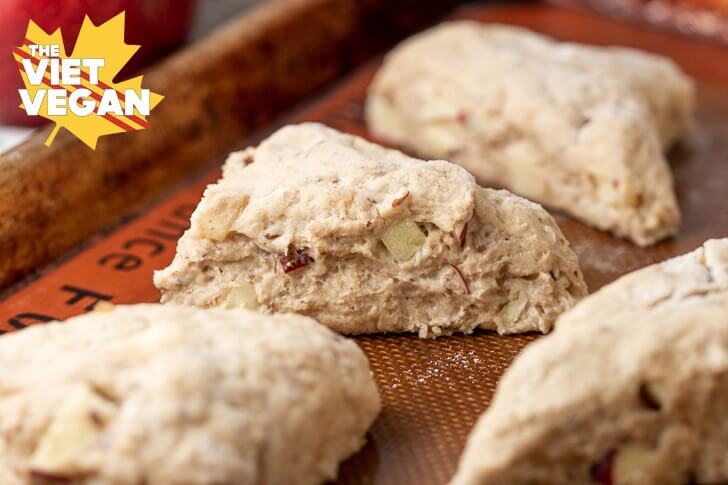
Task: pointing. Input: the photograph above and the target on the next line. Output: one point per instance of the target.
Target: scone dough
(165, 394)
(575, 127)
(700, 272)
(630, 389)
(366, 239)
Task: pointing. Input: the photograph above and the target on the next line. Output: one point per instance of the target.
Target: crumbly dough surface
(366, 239)
(572, 126)
(165, 394)
(632, 384)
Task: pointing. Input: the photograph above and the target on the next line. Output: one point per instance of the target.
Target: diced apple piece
(715, 255)
(398, 201)
(209, 229)
(403, 239)
(512, 310)
(489, 126)
(79, 423)
(630, 463)
(438, 109)
(612, 194)
(524, 169)
(440, 141)
(215, 219)
(242, 296)
(388, 119)
(104, 306)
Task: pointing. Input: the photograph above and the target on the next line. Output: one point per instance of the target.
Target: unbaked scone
(165, 394)
(365, 239)
(630, 389)
(575, 127)
(700, 272)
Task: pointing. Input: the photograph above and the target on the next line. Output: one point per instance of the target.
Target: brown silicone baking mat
(433, 390)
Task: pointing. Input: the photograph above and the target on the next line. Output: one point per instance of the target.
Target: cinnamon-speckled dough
(632, 384)
(301, 224)
(575, 127)
(165, 394)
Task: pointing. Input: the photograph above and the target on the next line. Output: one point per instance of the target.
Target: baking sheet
(433, 391)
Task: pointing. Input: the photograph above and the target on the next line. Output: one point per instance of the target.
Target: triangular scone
(700, 272)
(166, 394)
(575, 127)
(630, 389)
(366, 239)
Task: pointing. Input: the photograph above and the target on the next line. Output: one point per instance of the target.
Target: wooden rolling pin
(216, 92)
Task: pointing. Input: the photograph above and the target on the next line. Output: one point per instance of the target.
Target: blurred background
(162, 26)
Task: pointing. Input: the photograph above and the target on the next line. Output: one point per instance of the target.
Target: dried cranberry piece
(48, 477)
(295, 259)
(463, 233)
(648, 398)
(601, 471)
(397, 202)
(465, 281)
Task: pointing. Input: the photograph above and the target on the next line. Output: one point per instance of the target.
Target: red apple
(157, 25)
